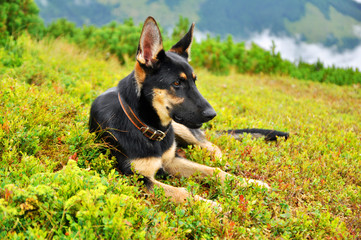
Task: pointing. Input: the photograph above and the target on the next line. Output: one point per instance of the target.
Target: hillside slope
(55, 180)
(239, 18)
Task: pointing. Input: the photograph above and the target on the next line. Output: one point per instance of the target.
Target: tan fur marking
(184, 133)
(161, 100)
(147, 166)
(214, 149)
(188, 50)
(180, 195)
(169, 155)
(140, 59)
(139, 73)
(159, 104)
(181, 167)
(194, 76)
(178, 50)
(183, 76)
(177, 195)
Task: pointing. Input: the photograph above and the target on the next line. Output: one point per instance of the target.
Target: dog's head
(167, 80)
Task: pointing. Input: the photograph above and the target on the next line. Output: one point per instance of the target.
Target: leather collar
(152, 134)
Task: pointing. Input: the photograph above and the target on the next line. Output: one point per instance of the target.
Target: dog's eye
(176, 83)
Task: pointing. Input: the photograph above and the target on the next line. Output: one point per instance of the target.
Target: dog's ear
(183, 47)
(150, 48)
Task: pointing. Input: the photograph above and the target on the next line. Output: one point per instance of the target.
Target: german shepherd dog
(153, 106)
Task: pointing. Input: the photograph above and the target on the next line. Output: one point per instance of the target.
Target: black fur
(269, 135)
(161, 89)
(109, 121)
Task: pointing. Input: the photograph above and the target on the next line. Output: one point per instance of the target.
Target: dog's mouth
(186, 123)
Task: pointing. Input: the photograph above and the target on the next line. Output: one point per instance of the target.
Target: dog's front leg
(181, 167)
(186, 136)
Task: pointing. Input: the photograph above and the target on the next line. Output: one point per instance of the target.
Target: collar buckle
(147, 131)
(161, 135)
(144, 129)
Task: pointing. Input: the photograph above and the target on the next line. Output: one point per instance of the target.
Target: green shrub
(56, 181)
(17, 16)
(11, 54)
(116, 39)
(121, 40)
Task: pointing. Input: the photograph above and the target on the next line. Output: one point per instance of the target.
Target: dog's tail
(268, 135)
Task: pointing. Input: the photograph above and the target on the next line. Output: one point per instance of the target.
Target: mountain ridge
(238, 18)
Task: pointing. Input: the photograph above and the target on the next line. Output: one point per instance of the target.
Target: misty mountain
(330, 22)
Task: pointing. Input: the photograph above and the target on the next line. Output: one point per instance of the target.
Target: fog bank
(294, 50)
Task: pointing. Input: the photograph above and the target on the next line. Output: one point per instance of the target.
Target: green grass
(55, 182)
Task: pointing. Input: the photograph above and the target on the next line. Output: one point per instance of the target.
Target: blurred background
(317, 40)
(328, 30)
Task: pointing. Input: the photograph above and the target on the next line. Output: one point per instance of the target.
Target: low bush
(219, 57)
(121, 40)
(56, 181)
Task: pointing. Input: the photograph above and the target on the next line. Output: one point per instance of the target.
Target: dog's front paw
(217, 152)
(211, 203)
(213, 149)
(246, 182)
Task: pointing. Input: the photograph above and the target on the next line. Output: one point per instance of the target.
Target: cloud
(42, 2)
(294, 50)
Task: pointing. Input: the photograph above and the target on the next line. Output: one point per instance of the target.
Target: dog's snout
(209, 114)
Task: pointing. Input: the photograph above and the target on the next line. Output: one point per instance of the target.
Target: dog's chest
(169, 154)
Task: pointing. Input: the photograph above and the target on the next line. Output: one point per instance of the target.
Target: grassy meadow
(56, 182)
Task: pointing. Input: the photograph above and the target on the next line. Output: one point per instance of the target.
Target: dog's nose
(209, 114)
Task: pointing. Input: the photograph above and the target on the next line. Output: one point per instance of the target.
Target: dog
(153, 108)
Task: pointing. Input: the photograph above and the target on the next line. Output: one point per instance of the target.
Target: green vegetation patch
(217, 56)
(57, 181)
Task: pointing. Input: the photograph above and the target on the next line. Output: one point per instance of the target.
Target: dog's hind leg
(148, 167)
(176, 194)
(186, 136)
(180, 195)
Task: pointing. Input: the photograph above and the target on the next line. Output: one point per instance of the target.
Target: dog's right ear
(150, 48)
